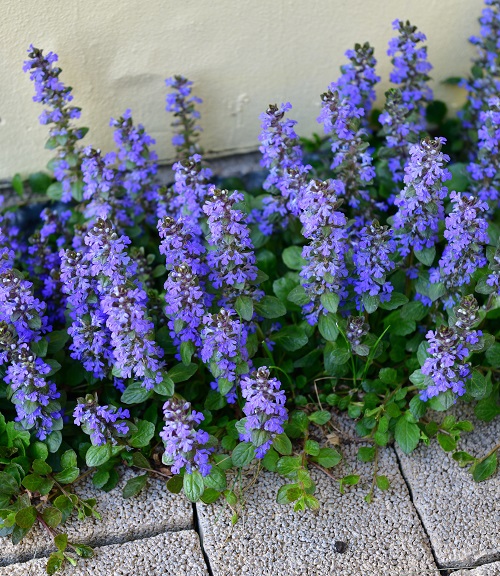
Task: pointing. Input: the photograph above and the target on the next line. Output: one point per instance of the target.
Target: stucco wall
(242, 55)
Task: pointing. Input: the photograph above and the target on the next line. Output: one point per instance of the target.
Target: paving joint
(197, 529)
(444, 571)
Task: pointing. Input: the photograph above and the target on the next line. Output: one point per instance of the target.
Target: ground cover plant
(197, 328)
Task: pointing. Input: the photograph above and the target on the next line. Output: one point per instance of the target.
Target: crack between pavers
(197, 529)
(99, 544)
(444, 570)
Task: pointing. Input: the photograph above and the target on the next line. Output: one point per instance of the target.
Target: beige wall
(242, 55)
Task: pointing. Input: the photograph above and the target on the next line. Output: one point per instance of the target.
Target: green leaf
(320, 417)
(270, 460)
(54, 191)
(330, 301)
(291, 338)
(477, 385)
(446, 442)
(39, 182)
(388, 375)
(442, 401)
(311, 447)
(100, 478)
(68, 475)
(174, 484)
(40, 348)
(463, 458)
(382, 482)
(407, 434)
(26, 517)
(288, 493)
(426, 256)
(166, 387)
(61, 542)
(181, 373)
(57, 341)
(292, 257)
(493, 355)
(135, 394)
(17, 185)
(366, 454)
(349, 480)
(486, 410)
(140, 460)
(270, 307)
(65, 505)
(210, 495)
(216, 479)
(328, 457)
(417, 407)
(460, 177)
(193, 486)
(243, 454)
(134, 486)
(282, 444)
(83, 551)
(397, 300)
(486, 468)
(328, 328)
(187, 351)
(98, 455)
(52, 516)
(298, 296)
(142, 437)
(288, 465)
(370, 303)
(8, 485)
(41, 467)
(54, 563)
(68, 459)
(244, 307)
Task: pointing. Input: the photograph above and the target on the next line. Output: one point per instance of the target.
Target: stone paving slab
(382, 538)
(461, 517)
(484, 570)
(153, 511)
(169, 554)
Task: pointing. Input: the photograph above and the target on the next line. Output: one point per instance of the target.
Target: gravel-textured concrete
(169, 554)
(153, 511)
(461, 517)
(384, 537)
(484, 570)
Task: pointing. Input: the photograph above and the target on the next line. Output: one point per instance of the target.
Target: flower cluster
(102, 423)
(190, 189)
(182, 105)
(466, 232)
(102, 188)
(223, 350)
(181, 242)
(19, 307)
(486, 167)
(232, 259)
(124, 303)
(356, 329)
(484, 82)
(400, 129)
(137, 164)
(282, 156)
(325, 227)
(50, 91)
(446, 367)
(411, 68)
(185, 305)
(352, 162)
(184, 445)
(420, 203)
(264, 409)
(372, 260)
(358, 78)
